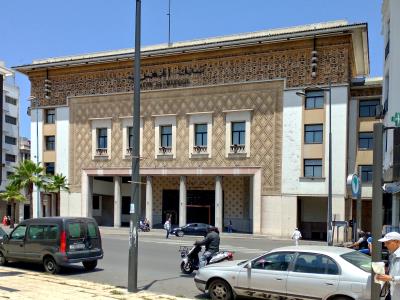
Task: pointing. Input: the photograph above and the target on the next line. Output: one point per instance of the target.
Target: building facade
(224, 136)
(10, 131)
(391, 106)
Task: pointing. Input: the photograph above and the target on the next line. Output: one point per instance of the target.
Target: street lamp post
(329, 235)
(135, 196)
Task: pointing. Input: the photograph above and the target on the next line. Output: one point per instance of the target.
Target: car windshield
(359, 260)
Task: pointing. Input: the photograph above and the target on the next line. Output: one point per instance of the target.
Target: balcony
(101, 152)
(199, 149)
(238, 148)
(165, 150)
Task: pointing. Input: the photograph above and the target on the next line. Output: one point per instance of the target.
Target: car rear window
(92, 230)
(359, 260)
(76, 230)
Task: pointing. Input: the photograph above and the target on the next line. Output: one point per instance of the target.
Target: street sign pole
(377, 219)
(135, 196)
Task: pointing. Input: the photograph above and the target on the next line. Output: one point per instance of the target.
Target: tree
(26, 174)
(57, 183)
(12, 194)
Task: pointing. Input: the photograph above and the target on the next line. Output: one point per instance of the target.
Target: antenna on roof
(169, 23)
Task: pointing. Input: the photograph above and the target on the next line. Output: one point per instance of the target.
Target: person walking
(230, 226)
(296, 236)
(392, 243)
(167, 226)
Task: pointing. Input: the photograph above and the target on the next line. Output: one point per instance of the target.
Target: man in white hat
(392, 242)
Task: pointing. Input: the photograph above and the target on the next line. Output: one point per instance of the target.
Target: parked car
(303, 272)
(2, 234)
(191, 229)
(54, 242)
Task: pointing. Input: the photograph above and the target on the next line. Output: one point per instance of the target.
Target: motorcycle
(190, 258)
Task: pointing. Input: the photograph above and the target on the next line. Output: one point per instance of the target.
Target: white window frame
(96, 124)
(164, 120)
(200, 118)
(126, 123)
(243, 115)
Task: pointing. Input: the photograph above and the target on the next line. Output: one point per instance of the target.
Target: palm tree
(26, 174)
(57, 183)
(12, 194)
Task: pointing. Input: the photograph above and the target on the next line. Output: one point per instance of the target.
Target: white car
(302, 272)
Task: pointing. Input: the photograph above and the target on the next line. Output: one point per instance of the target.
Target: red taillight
(230, 255)
(63, 242)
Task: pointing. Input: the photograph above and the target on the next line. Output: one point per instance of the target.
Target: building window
(238, 133)
(50, 143)
(102, 138)
(130, 137)
(313, 168)
(200, 133)
(366, 173)
(10, 140)
(314, 100)
(11, 120)
(50, 116)
(365, 140)
(50, 168)
(313, 134)
(11, 158)
(11, 100)
(166, 136)
(367, 108)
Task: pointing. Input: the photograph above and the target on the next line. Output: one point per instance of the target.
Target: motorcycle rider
(211, 242)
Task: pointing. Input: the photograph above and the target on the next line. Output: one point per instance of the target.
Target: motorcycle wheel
(186, 268)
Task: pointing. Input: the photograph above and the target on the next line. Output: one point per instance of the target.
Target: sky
(46, 28)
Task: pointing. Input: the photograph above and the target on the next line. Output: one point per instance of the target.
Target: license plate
(77, 246)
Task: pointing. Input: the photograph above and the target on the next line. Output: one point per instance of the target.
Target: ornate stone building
(222, 130)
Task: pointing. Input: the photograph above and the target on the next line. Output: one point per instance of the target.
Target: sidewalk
(21, 284)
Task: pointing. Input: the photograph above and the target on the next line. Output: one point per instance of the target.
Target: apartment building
(224, 136)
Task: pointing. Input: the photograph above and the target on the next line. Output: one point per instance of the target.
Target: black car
(191, 229)
(54, 242)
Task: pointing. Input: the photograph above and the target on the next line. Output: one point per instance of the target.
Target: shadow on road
(65, 271)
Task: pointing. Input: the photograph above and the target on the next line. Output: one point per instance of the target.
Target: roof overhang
(361, 50)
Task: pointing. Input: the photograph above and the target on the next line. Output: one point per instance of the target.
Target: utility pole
(330, 230)
(377, 220)
(135, 196)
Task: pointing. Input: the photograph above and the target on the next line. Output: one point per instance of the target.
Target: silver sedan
(302, 272)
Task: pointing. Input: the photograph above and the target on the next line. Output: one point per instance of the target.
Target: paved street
(159, 261)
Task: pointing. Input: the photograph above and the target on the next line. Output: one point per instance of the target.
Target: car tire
(180, 233)
(90, 265)
(3, 260)
(342, 298)
(50, 265)
(220, 290)
(187, 268)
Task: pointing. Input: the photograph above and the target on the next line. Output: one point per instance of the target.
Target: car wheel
(50, 265)
(342, 298)
(180, 233)
(186, 268)
(89, 265)
(3, 260)
(220, 290)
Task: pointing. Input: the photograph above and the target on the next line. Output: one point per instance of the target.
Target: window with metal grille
(102, 138)
(166, 136)
(314, 100)
(313, 134)
(367, 108)
(11, 120)
(10, 140)
(50, 116)
(365, 140)
(238, 133)
(366, 173)
(200, 133)
(313, 168)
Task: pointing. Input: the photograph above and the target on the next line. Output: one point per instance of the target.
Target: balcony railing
(101, 152)
(236, 148)
(165, 150)
(128, 151)
(200, 149)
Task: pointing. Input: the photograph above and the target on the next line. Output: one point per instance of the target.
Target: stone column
(117, 201)
(257, 207)
(149, 199)
(87, 195)
(53, 204)
(182, 201)
(219, 222)
(48, 204)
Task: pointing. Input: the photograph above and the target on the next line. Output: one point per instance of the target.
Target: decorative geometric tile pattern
(264, 98)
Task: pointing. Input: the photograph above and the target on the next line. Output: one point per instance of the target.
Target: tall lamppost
(35, 101)
(135, 196)
(329, 235)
